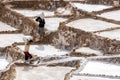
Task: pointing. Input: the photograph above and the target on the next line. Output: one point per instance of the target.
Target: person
(26, 50)
(41, 21)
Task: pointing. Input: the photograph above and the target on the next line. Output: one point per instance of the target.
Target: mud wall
(106, 2)
(8, 73)
(107, 10)
(72, 63)
(91, 40)
(79, 13)
(71, 37)
(69, 74)
(112, 60)
(18, 21)
(24, 24)
(108, 46)
(43, 4)
(13, 53)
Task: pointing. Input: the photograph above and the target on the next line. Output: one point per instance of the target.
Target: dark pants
(41, 30)
(27, 55)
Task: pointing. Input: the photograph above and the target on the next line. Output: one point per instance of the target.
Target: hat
(42, 16)
(27, 38)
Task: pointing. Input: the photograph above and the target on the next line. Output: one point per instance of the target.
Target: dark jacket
(41, 22)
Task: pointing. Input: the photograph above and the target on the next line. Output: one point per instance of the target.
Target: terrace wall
(107, 10)
(8, 73)
(111, 59)
(18, 21)
(69, 74)
(79, 13)
(30, 27)
(48, 3)
(106, 2)
(76, 40)
(13, 53)
(26, 25)
(108, 46)
(44, 4)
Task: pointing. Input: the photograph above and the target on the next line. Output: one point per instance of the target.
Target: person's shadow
(27, 68)
(40, 47)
